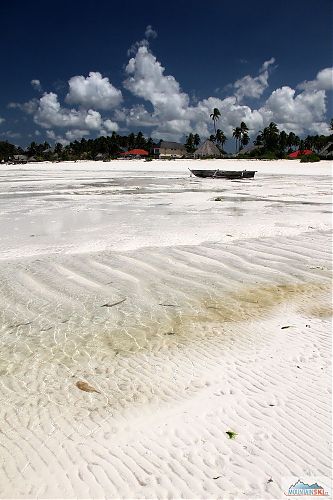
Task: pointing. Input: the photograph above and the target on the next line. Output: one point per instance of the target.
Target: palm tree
(244, 139)
(237, 134)
(220, 138)
(270, 137)
(244, 128)
(196, 140)
(189, 144)
(259, 139)
(309, 142)
(273, 128)
(283, 140)
(291, 140)
(301, 146)
(32, 150)
(215, 116)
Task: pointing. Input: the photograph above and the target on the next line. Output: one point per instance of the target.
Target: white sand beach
(188, 317)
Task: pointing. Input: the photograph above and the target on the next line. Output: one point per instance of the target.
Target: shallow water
(100, 210)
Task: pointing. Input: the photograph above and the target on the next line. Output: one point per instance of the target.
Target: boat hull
(224, 174)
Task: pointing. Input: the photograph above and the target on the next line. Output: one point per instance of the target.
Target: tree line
(85, 149)
(270, 142)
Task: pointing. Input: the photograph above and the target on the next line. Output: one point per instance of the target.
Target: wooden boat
(224, 174)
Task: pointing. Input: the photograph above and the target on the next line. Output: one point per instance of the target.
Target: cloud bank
(94, 106)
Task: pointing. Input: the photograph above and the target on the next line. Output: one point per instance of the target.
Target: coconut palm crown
(215, 116)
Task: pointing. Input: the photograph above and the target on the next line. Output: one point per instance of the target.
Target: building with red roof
(299, 152)
(136, 152)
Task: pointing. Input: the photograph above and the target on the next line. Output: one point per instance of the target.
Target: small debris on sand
(84, 386)
(113, 304)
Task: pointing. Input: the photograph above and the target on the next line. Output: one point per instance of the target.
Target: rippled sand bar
(142, 320)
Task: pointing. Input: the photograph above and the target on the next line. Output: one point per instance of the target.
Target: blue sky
(76, 69)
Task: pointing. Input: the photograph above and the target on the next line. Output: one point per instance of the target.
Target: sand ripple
(177, 346)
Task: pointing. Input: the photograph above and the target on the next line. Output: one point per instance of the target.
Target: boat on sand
(224, 174)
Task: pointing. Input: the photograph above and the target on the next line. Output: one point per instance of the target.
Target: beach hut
(19, 159)
(170, 149)
(249, 149)
(327, 151)
(101, 157)
(208, 148)
(296, 154)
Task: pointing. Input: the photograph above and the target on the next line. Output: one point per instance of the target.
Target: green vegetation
(309, 158)
(86, 149)
(220, 139)
(192, 142)
(241, 136)
(273, 144)
(231, 434)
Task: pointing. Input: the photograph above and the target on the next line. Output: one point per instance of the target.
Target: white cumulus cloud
(147, 80)
(94, 91)
(110, 126)
(297, 113)
(253, 87)
(50, 134)
(323, 81)
(29, 107)
(172, 115)
(72, 135)
(50, 114)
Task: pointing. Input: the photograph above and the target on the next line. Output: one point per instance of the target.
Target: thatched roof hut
(208, 148)
(327, 150)
(19, 159)
(249, 149)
